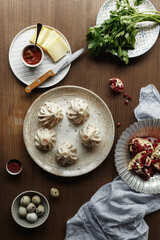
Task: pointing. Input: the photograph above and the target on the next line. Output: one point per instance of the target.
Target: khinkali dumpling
(66, 154)
(45, 139)
(90, 135)
(50, 114)
(78, 111)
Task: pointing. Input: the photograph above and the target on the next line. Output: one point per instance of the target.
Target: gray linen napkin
(116, 211)
(149, 103)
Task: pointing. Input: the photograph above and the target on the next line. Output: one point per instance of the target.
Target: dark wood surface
(73, 18)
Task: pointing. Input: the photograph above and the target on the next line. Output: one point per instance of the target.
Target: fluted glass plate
(145, 128)
(148, 31)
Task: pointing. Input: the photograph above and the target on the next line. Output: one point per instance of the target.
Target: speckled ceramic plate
(151, 128)
(26, 74)
(148, 31)
(88, 160)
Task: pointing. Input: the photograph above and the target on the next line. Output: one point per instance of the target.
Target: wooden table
(73, 18)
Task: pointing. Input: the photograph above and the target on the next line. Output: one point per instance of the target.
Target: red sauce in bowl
(14, 166)
(32, 56)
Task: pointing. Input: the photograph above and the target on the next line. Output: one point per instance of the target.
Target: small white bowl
(32, 65)
(22, 221)
(14, 171)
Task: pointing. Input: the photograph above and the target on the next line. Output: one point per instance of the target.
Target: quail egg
(31, 217)
(31, 207)
(36, 200)
(54, 192)
(25, 200)
(22, 211)
(40, 210)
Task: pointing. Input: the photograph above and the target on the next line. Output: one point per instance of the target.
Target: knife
(55, 70)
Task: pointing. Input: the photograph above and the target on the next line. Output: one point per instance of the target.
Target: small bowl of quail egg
(30, 209)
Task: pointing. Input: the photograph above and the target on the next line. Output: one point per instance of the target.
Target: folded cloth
(116, 211)
(149, 103)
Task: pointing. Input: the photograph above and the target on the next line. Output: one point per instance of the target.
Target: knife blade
(55, 70)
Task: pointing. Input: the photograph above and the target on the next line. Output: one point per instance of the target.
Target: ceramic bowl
(14, 166)
(31, 46)
(22, 220)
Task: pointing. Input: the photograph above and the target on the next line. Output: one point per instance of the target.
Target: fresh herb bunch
(118, 33)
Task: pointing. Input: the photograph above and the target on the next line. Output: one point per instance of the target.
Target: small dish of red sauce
(32, 56)
(14, 166)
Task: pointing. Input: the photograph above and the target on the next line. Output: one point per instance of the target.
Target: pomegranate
(142, 165)
(116, 85)
(140, 144)
(155, 157)
(147, 173)
(140, 161)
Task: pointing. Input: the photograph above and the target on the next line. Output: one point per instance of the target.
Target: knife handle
(39, 81)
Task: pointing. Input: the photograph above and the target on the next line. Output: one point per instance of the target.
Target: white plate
(146, 36)
(100, 115)
(150, 128)
(26, 74)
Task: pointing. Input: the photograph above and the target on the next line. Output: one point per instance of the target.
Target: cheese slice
(51, 37)
(51, 42)
(57, 48)
(44, 33)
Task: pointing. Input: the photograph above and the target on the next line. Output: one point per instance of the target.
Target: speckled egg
(22, 211)
(40, 210)
(31, 217)
(54, 192)
(25, 200)
(36, 200)
(31, 207)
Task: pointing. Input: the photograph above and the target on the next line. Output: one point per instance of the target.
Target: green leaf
(120, 34)
(127, 36)
(119, 51)
(137, 2)
(113, 51)
(124, 57)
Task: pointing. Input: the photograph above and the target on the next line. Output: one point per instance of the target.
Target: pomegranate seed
(129, 97)
(126, 101)
(118, 124)
(125, 94)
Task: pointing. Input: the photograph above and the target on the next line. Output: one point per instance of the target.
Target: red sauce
(32, 56)
(14, 166)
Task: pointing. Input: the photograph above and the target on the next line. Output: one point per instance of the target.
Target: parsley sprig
(118, 33)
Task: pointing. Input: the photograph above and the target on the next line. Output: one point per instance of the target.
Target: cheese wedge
(51, 37)
(44, 33)
(57, 48)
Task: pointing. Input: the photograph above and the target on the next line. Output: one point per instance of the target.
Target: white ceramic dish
(13, 161)
(88, 160)
(22, 221)
(151, 128)
(28, 75)
(146, 36)
(32, 65)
